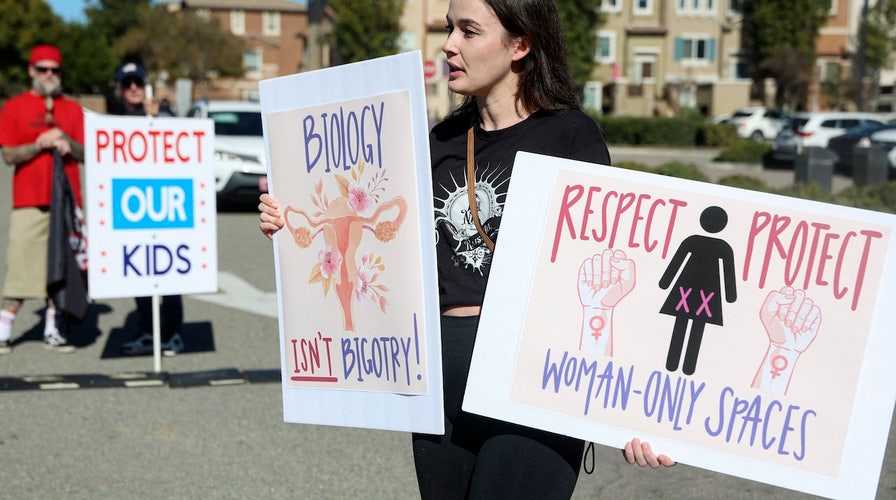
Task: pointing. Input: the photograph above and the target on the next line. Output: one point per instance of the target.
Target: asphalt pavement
(97, 425)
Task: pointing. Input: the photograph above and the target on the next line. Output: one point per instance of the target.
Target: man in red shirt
(33, 125)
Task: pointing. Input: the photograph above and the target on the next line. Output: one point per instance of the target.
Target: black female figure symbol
(696, 296)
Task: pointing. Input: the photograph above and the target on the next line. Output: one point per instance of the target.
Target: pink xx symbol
(683, 303)
(705, 304)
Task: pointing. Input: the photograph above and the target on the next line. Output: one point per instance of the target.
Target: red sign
(429, 69)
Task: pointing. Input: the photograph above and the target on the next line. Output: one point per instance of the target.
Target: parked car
(804, 130)
(887, 140)
(240, 168)
(843, 145)
(758, 122)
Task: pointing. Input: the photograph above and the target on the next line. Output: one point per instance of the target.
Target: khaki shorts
(26, 255)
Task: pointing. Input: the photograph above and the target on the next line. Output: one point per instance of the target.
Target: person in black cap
(131, 78)
(132, 90)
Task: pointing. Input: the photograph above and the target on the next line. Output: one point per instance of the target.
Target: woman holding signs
(507, 57)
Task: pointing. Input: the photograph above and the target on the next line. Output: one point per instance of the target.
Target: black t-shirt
(463, 258)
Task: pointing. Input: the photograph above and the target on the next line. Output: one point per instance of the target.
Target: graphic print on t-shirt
(453, 214)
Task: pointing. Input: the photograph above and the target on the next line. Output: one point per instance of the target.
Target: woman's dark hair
(545, 80)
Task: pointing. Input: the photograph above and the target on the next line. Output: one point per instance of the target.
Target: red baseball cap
(45, 53)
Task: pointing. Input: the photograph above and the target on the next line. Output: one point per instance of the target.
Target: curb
(207, 378)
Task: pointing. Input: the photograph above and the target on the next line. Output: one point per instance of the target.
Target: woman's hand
(271, 220)
(641, 454)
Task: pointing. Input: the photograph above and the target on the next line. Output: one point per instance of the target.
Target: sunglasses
(127, 82)
(45, 69)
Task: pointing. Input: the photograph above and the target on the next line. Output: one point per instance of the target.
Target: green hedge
(662, 131)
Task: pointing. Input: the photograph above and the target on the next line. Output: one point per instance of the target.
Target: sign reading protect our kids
(738, 331)
(349, 166)
(150, 206)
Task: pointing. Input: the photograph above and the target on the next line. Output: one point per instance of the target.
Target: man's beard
(53, 88)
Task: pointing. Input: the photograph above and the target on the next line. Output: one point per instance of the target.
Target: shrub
(809, 191)
(654, 131)
(881, 197)
(744, 182)
(716, 134)
(745, 151)
(681, 170)
(633, 165)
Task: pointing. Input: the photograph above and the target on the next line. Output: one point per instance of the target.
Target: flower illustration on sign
(342, 222)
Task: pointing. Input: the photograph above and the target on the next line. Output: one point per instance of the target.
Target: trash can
(869, 165)
(815, 165)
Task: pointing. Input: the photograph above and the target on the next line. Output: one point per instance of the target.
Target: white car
(887, 140)
(758, 122)
(804, 130)
(240, 168)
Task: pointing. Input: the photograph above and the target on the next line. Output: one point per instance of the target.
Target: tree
(182, 44)
(111, 19)
(579, 19)
(24, 24)
(89, 61)
(780, 37)
(877, 41)
(365, 29)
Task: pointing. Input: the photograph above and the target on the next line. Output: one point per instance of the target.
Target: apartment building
(657, 57)
(661, 56)
(275, 32)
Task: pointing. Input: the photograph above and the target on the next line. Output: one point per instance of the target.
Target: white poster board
(349, 165)
(150, 203)
(604, 280)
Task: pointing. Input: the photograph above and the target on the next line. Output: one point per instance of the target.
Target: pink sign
(716, 322)
(349, 251)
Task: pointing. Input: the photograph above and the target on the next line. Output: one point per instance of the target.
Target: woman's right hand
(271, 220)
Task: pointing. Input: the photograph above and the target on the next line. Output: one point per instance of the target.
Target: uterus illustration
(343, 223)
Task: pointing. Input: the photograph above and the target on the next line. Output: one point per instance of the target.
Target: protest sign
(355, 264)
(738, 331)
(150, 204)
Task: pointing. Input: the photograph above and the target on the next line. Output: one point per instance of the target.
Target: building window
(204, 14)
(736, 6)
(611, 5)
(695, 49)
(697, 7)
(270, 23)
(252, 60)
(741, 69)
(643, 7)
(644, 70)
(606, 47)
(831, 71)
(238, 22)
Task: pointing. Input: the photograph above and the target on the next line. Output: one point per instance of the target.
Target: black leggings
(480, 457)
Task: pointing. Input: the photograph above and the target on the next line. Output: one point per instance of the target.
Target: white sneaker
(5, 347)
(55, 342)
(174, 345)
(140, 345)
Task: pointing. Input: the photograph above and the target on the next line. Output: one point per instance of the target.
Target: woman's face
(480, 52)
